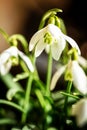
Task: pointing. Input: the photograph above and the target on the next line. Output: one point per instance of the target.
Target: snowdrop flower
(79, 110)
(7, 58)
(51, 37)
(75, 73)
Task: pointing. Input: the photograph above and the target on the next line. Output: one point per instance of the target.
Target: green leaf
(21, 76)
(4, 121)
(13, 91)
(12, 104)
(13, 87)
(11, 84)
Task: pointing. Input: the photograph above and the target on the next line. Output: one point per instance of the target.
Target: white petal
(5, 55)
(56, 77)
(72, 43)
(26, 60)
(79, 78)
(54, 30)
(35, 38)
(5, 68)
(79, 110)
(57, 48)
(5, 63)
(82, 61)
(47, 49)
(40, 47)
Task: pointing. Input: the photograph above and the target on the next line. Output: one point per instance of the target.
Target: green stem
(66, 99)
(49, 72)
(27, 98)
(40, 97)
(12, 105)
(22, 39)
(47, 15)
(70, 95)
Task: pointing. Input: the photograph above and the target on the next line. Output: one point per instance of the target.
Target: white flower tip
(79, 110)
(37, 53)
(26, 60)
(82, 61)
(79, 52)
(30, 47)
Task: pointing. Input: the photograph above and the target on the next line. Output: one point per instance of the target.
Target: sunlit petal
(79, 78)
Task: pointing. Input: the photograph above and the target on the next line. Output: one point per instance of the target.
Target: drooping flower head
(51, 38)
(10, 57)
(79, 110)
(72, 72)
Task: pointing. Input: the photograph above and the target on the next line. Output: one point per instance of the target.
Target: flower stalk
(68, 90)
(49, 73)
(27, 98)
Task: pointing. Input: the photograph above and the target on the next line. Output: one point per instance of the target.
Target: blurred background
(23, 16)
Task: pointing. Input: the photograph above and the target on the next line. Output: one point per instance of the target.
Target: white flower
(50, 37)
(6, 61)
(79, 110)
(79, 78)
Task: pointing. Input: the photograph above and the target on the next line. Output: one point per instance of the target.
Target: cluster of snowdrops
(44, 105)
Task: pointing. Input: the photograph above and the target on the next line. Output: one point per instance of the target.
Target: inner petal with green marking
(48, 38)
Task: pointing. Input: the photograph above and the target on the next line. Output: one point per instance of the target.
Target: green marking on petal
(68, 76)
(48, 38)
(14, 60)
(68, 73)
